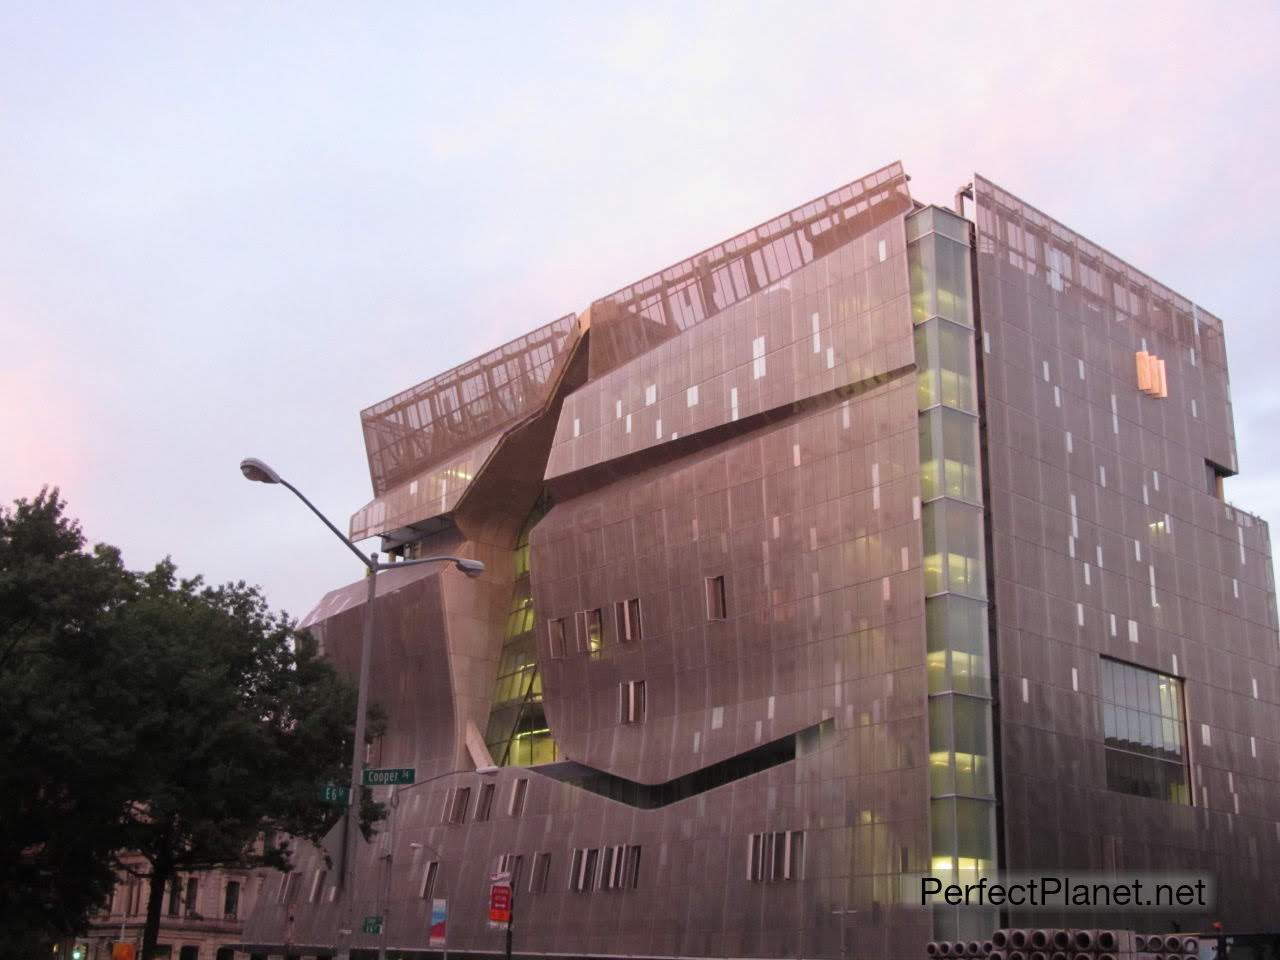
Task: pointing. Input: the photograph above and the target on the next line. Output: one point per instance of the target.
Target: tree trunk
(160, 877)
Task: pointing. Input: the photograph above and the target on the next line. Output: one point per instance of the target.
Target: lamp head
(487, 771)
(254, 469)
(472, 568)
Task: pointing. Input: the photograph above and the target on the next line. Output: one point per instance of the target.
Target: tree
(143, 713)
(61, 751)
(239, 722)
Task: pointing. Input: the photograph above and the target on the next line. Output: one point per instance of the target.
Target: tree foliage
(61, 789)
(149, 713)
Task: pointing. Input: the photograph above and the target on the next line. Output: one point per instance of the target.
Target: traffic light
(78, 952)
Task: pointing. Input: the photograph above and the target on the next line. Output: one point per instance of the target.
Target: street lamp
(258, 471)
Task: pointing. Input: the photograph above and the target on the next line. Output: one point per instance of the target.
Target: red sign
(500, 903)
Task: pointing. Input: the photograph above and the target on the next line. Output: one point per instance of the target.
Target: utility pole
(511, 920)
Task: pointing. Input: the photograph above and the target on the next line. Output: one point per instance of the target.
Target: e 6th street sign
(389, 776)
(332, 793)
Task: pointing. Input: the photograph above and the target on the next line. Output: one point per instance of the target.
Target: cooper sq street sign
(389, 776)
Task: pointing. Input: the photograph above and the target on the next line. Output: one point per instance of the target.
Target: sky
(226, 228)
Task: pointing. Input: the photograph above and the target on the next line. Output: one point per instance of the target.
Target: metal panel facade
(708, 560)
(1107, 542)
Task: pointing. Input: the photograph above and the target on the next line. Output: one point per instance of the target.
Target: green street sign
(389, 776)
(372, 925)
(332, 793)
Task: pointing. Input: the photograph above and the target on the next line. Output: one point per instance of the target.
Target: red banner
(499, 903)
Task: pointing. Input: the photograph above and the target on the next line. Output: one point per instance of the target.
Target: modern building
(879, 540)
(203, 916)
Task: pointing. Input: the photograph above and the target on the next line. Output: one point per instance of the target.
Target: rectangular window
(511, 863)
(429, 874)
(1214, 477)
(317, 885)
(231, 900)
(954, 557)
(193, 891)
(285, 894)
(945, 366)
(555, 637)
(592, 632)
(949, 456)
(456, 805)
(716, 607)
(518, 791)
(631, 701)
(1144, 730)
(776, 856)
(620, 868)
(627, 613)
(582, 869)
(175, 896)
(484, 804)
(541, 870)
(611, 868)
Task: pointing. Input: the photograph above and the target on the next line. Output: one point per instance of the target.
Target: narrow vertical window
(611, 868)
(627, 613)
(631, 870)
(714, 587)
(511, 863)
(193, 891)
(631, 701)
(175, 895)
(582, 869)
(429, 872)
(593, 632)
(538, 875)
(317, 885)
(484, 805)
(457, 804)
(231, 900)
(555, 637)
(518, 791)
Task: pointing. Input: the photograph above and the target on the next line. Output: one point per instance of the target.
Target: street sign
(499, 900)
(332, 793)
(372, 925)
(389, 776)
(439, 919)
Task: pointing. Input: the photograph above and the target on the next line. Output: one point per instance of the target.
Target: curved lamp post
(258, 471)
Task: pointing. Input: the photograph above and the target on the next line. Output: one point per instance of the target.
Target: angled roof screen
(439, 418)
(637, 318)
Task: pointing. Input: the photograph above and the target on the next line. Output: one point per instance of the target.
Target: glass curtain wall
(517, 733)
(962, 808)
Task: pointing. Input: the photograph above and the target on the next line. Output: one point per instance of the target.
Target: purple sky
(228, 227)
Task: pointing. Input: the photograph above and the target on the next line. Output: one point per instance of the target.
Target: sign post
(499, 901)
(502, 904)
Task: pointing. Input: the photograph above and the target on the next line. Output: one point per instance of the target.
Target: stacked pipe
(1165, 946)
(1067, 944)
(1058, 944)
(959, 949)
